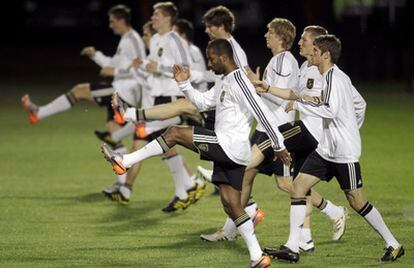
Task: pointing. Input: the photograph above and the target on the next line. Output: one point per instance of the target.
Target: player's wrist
(267, 88)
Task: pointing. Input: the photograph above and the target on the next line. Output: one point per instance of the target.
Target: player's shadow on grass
(92, 197)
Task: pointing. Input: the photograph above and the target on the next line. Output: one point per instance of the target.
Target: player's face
(272, 39)
(115, 24)
(159, 19)
(146, 37)
(306, 44)
(316, 56)
(212, 31)
(214, 62)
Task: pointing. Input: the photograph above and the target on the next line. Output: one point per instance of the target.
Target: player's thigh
(302, 184)
(284, 183)
(182, 135)
(82, 92)
(256, 158)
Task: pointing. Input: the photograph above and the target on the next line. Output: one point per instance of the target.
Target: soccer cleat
(258, 217)
(120, 197)
(140, 131)
(306, 247)
(391, 254)
(107, 191)
(30, 109)
(177, 203)
(119, 106)
(105, 136)
(263, 262)
(114, 158)
(205, 174)
(219, 236)
(339, 225)
(201, 191)
(282, 253)
(192, 192)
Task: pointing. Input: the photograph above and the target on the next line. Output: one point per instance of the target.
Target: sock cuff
(163, 143)
(322, 205)
(241, 219)
(365, 209)
(140, 115)
(298, 201)
(71, 98)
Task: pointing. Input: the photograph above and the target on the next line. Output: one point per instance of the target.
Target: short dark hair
(121, 12)
(315, 30)
(220, 15)
(285, 29)
(330, 43)
(185, 27)
(221, 47)
(168, 9)
(148, 25)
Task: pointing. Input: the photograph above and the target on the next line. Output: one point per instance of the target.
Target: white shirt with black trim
(236, 102)
(342, 110)
(310, 84)
(198, 64)
(167, 49)
(282, 71)
(130, 47)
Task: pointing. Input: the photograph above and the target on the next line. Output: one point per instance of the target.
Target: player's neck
(164, 29)
(229, 68)
(325, 66)
(125, 30)
(225, 35)
(277, 50)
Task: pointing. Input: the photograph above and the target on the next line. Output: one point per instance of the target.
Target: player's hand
(135, 63)
(290, 106)
(107, 71)
(181, 73)
(88, 51)
(152, 67)
(260, 86)
(284, 156)
(251, 75)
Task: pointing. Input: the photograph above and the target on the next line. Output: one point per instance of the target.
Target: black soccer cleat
(282, 253)
(392, 254)
(177, 203)
(105, 136)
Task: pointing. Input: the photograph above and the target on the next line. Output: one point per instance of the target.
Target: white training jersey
(198, 64)
(282, 71)
(310, 84)
(130, 46)
(239, 55)
(167, 49)
(236, 102)
(342, 109)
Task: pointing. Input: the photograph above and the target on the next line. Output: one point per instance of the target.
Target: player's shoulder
(283, 63)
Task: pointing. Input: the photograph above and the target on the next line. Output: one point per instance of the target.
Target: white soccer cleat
(205, 174)
(306, 247)
(219, 236)
(107, 191)
(339, 225)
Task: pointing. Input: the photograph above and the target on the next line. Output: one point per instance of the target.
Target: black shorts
(225, 170)
(158, 101)
(102, 94)
(298, 141)
(348, 175)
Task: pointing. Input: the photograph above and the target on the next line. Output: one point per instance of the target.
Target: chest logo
(160, 51)
(309, 83)
(222, 95)
(203, 147)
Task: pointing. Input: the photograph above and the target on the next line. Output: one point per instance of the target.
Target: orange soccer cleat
(30, 109)
(114, 158)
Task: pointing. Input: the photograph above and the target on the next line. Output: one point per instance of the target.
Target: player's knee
(171, 134)
(80, 91)
(297, 189)
(355, 200)
(284, 185)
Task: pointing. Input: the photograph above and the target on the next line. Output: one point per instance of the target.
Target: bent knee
(81, 91)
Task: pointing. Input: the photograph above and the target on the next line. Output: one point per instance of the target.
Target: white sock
(297, 217)
(153, 126)
(197, 179)
(373, 217)
(60, 104)
(179, 174)
(332, 211)
(151, 149)
(246, 229)
(130, 114)
(123, 132)
(251, 210)
(229, 226)
(305, 235)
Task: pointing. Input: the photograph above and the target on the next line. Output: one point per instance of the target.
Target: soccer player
(228, 145)
(342, 110)
(166, 48)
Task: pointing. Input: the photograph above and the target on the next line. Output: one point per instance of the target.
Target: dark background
(44, 38)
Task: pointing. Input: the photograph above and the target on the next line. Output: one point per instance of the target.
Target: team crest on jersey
(160, 51)
(223, 93)
(309, 83)
(203, 147)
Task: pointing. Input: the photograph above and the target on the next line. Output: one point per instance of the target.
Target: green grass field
(52, 213)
